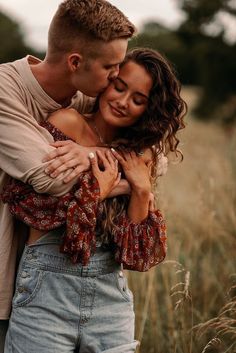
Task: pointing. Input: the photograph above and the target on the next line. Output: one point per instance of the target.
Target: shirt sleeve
(140, 246)
(23, 142)
(82, 103)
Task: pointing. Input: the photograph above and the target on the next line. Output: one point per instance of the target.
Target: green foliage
(12, 42)
(199, 58)
(171, 45)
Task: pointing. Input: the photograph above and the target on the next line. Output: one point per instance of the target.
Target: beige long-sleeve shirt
(23, 144)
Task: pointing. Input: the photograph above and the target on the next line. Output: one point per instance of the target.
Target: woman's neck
(106, 133)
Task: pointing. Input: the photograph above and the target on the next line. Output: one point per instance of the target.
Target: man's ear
(74, 61)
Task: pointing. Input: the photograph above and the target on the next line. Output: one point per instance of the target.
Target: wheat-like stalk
(213, 343)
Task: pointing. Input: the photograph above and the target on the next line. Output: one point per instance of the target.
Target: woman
(141, 110)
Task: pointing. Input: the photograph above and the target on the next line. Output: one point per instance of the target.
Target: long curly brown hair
(155, 129)
(165, 111)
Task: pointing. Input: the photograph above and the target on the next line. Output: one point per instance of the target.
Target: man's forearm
(123, 188)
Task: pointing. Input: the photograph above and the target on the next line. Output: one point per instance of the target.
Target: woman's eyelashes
(119, 87)
(136, 100)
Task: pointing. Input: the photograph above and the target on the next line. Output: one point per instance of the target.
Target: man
(86, 43)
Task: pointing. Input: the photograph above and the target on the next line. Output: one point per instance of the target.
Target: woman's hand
(109, 177)
(136, 170)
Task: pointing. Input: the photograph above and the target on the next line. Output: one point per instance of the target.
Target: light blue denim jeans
(59, 307)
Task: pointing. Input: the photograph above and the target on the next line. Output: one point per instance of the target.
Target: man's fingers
(61, 168)
(58, 151)
(52, 155)
(59, 162)
(74, 174)
(61, 143)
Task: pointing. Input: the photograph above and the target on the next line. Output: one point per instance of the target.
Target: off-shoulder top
(139, 246)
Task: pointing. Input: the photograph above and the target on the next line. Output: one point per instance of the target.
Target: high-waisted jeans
(59, 307)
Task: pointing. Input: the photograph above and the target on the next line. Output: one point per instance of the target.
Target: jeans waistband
(45, 254)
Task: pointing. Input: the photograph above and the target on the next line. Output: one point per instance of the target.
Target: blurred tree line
(200, 58)
(12, 45)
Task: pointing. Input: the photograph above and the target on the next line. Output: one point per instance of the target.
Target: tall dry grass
(188, 303)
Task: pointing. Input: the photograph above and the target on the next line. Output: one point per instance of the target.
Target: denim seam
(41, 274)
(83, 272)
(125, 292)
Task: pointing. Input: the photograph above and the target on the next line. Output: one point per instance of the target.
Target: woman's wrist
(142, 191)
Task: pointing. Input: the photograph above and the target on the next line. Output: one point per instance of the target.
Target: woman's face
(126, 98)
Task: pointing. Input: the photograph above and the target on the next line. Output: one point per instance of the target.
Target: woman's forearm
(139, 205)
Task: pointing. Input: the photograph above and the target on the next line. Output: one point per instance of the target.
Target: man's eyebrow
(124, 83)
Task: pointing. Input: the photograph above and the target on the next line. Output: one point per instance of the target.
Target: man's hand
(67, 156)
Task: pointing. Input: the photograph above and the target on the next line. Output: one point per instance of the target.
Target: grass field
(188, 303)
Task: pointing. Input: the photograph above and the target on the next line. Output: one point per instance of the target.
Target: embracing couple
(82, 141)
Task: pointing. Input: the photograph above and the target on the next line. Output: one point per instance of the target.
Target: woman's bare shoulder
(65, 116)
(69, 121)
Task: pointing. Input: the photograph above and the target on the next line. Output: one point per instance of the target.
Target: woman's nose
(123, 102)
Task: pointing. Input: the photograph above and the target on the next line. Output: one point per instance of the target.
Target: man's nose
(114, 73)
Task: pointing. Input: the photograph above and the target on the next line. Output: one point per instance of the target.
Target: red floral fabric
(138, 246)
(77, 209)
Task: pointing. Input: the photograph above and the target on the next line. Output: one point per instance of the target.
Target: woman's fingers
(118, 178)
(151, 202)
(118, 156)
(108, 160)
(113, 162)
(94, 163)
(104, 159)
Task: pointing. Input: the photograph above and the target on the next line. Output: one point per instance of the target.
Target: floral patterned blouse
(139, 246)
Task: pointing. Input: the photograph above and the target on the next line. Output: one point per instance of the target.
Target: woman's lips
(117, 112)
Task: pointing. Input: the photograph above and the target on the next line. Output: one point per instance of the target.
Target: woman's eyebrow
(125, 84)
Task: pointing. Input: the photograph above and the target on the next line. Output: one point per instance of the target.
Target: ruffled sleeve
(77, 209)
(82, 213)
(143, 245)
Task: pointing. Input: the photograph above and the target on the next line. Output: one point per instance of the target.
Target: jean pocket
(28, 282)
(122, 285)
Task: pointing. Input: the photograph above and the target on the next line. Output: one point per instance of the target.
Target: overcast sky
(35, 16)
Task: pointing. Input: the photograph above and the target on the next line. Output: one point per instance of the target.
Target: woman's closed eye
(139, 100)
(118, 86)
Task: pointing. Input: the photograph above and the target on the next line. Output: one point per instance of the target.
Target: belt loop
(84, 271)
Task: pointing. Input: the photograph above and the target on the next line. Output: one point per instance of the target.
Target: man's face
(94, 75)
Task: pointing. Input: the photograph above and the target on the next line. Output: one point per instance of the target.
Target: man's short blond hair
(84, 21)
